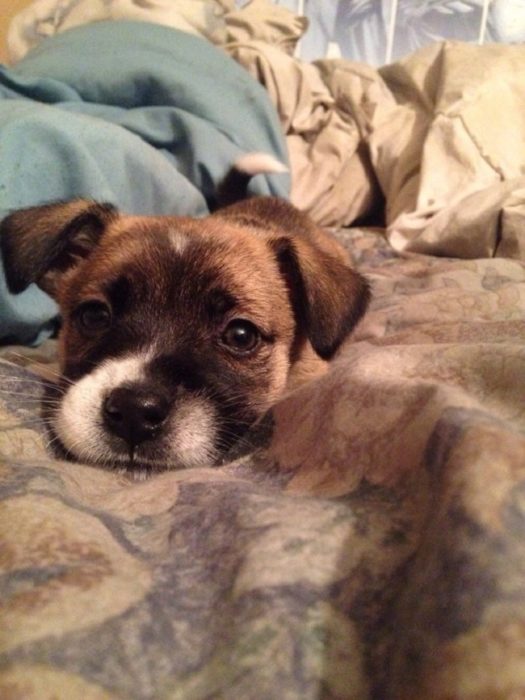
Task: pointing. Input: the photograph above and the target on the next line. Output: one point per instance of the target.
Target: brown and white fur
(178, 333)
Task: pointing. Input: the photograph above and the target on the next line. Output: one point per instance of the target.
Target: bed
(370, 542)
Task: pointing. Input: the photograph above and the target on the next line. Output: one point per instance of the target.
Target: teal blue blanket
(140, 115)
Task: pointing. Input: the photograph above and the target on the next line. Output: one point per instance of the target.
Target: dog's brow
(118, 291)
(219, 301)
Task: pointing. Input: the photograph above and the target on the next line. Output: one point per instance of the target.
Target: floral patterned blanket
(371, 547)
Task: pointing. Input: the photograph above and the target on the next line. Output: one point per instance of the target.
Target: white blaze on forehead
(178, 240)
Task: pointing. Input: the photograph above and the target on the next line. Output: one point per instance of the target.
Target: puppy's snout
(135, 415)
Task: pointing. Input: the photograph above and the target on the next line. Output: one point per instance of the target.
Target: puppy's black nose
(135, 414)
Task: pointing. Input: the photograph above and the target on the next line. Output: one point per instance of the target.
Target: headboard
(379, 31)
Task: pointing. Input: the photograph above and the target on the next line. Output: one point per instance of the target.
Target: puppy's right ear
(40, 244)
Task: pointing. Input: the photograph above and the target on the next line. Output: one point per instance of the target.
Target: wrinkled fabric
(266, 21)
(218, 21)
(44, 18)
(457, 131)
(126, 113)
(371, 546)
(429, 144)
(332, 177)
(435, 141)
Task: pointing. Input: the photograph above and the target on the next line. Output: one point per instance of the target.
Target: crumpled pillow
(44, 18)
(450, 152)
(320, 106)
(262, 20)
(219, 21)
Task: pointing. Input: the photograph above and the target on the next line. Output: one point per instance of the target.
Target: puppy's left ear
(40, 244)
(328, 297)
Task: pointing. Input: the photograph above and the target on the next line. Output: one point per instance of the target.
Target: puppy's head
(178, 334)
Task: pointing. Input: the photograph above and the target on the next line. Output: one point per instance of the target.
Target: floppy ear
(327, 296)
(40, 244)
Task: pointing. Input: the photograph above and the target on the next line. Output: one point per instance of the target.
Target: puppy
(179, 334)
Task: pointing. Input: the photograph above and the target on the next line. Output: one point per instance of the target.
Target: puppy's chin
(188, 439)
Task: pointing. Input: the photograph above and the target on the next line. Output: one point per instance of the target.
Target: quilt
(371, 546)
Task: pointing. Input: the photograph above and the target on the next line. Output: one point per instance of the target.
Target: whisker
(75, 450)
(28, 399)
(6, 427)
(18, 391)
(52, 441)
(51, 447)
(50, 377)
(17, 382)
(28, 359)
(232, 399)
(31, 376)
(38, 379)
(34, 400)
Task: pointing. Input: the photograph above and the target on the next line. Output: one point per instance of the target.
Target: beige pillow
(261, 20)
(44, 18)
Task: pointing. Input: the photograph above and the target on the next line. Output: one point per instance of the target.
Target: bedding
(144, 128)
(370, 547)
(217, 21)
(428, 138)
(366, 542)
(423, 142)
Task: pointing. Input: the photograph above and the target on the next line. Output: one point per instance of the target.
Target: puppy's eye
(241, 336)
(94, 316)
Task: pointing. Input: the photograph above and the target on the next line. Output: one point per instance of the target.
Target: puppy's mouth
(110, 418)
(148, 457)
(117, 418)
(161, 453)
(107, 451)
(188, 440)
(132, 460)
